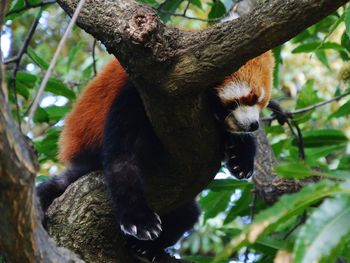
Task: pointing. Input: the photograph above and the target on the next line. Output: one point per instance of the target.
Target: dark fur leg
(130, 151)
(56, 185)
(240, 154)
(124, 181)
(174, 224)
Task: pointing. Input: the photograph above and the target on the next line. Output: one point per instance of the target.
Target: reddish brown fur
(84, 125)
(257, 73)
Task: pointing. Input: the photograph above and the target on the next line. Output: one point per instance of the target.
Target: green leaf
(307, 96)
(323, 231)
(278, 62)
(214, 203)
(318, 45)
(47, 147)
(73, 52)
(344, 163)
(320, 138)
(197, 3)
(343, 111)
(26, 79)
(218, 10)
(41, 116)
(227, 185)
(169, 7)
(328, 24)
(242, 204)
(316, 153)
(200, 259)
(287, 207)
(293, 170)
(57, 87)
(22, 90)
(279, 146)
(347, 21)
(322, 56)
(153, 3)
(345, 41)
(15, 5)
(56, 113)
(51, 114)
(37, 59)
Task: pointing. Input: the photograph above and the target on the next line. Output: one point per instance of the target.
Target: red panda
(108, 129)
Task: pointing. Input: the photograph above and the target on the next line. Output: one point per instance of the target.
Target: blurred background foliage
(309, 226)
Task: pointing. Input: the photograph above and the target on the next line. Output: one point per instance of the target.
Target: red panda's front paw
(242, 167)
(143, 225)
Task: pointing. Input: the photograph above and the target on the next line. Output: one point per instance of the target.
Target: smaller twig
(252, 214)
(28, 5)
(306, 109)
(189, 17)
(300, 140)
(317, 105)
(3, 8)
(17, 61)
(161, 5)
(94, 56)
(299, 223)
(53, 63)
(187, 6)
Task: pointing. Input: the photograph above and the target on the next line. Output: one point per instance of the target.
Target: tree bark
(23, 239)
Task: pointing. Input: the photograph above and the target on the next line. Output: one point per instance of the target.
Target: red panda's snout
(242, 106)
(243, 119)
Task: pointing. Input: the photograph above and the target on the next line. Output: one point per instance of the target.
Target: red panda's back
(84, 125)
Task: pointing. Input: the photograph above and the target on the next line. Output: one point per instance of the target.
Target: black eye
(254, 99)
(232, 105)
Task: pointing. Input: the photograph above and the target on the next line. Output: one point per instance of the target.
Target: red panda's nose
(254, 126)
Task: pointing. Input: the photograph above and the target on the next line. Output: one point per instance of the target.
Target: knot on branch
(141, 26)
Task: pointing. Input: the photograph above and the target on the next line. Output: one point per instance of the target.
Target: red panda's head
(244, 93)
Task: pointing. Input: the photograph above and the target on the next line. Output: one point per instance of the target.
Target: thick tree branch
(183, 61)
(82, 220)
(22, 237)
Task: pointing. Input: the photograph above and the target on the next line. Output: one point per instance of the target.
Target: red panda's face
(244, 93)
(242, 106)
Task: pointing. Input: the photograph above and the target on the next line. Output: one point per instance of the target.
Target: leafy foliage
(311, 68)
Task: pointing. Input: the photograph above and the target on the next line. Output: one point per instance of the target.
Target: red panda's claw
(143, 226)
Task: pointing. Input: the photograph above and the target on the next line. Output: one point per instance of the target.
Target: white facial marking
(233, 91)
(262, 96)
(246, 115)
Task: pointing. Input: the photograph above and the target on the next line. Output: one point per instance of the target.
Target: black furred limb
(132, 150)
(240, 154)
(283, 117)
(174, 224)
(279, 113)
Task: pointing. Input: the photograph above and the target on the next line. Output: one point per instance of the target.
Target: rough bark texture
(82, 221)
(22, 238)
(267, 184)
